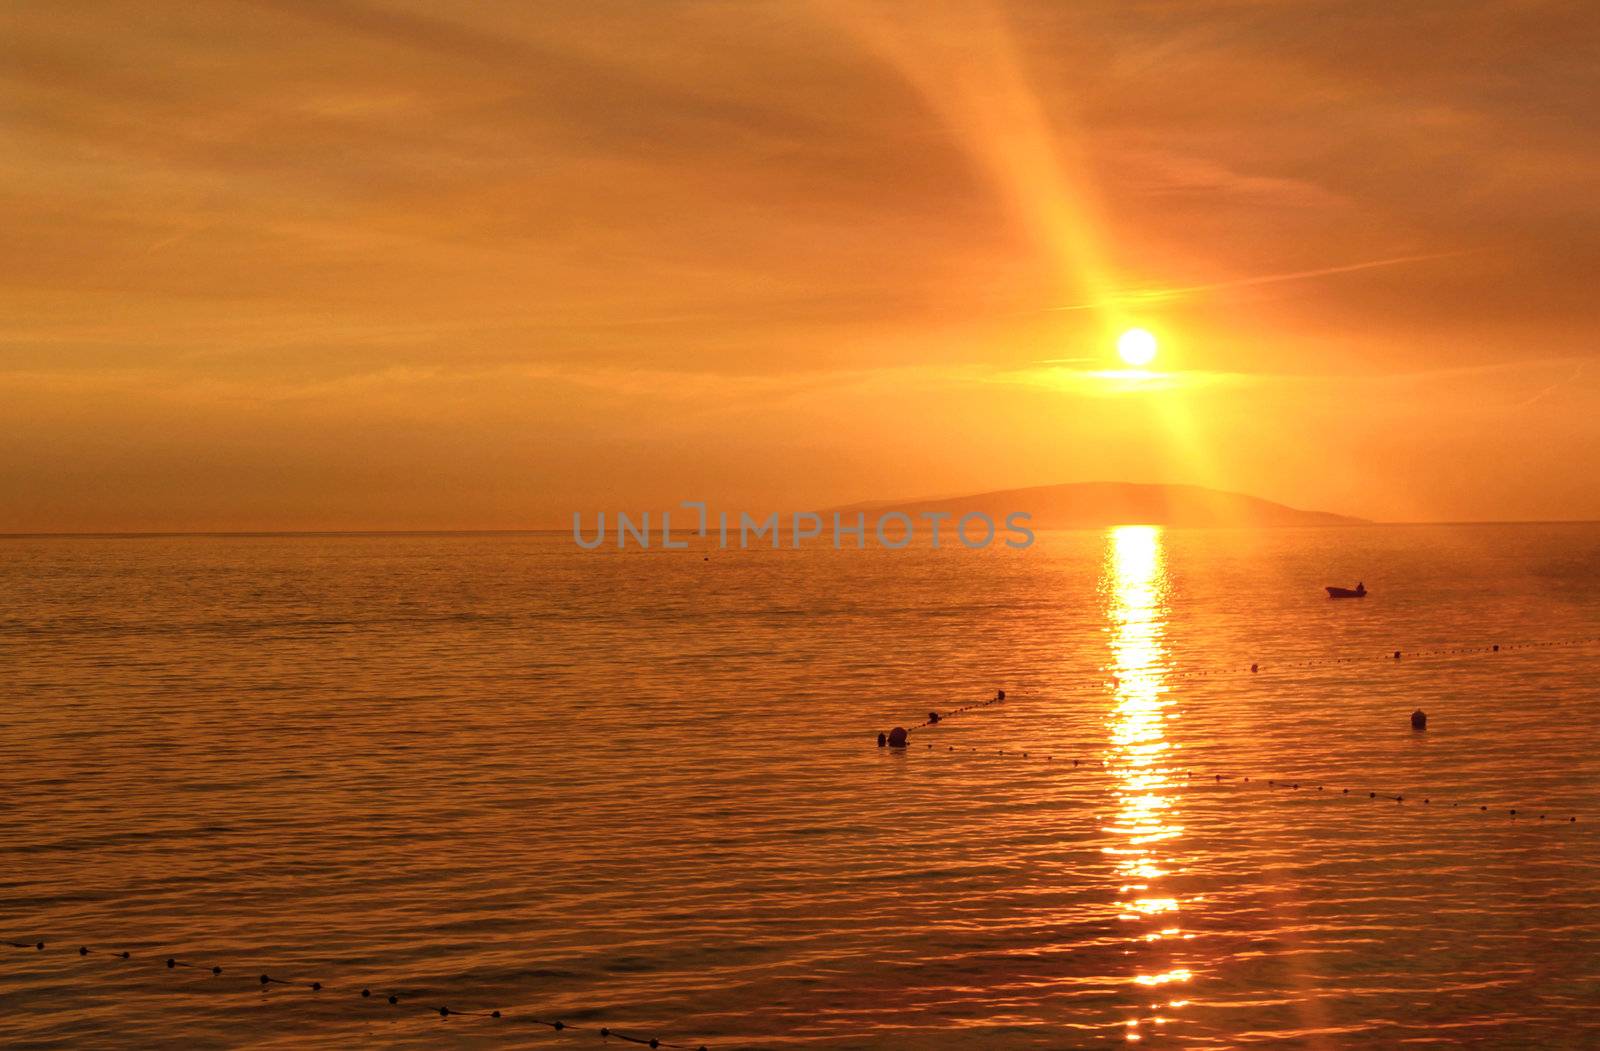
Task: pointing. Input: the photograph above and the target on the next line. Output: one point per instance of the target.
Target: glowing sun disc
(1137, 347)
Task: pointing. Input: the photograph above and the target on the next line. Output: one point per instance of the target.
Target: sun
(1137, 347)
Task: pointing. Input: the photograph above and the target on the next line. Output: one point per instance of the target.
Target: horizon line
(155, 534)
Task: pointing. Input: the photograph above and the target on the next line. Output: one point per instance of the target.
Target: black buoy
(933, 717)
(897, 737)
(883, 738)
(1255, 667)
(999, 695)
(1419, 720)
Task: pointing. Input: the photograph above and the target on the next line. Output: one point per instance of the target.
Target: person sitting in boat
(1361, 588)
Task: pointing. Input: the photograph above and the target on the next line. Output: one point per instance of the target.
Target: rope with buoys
(1399, 797)
(264, 980)
(1191, 777)
(1258, 667)
(935, 718)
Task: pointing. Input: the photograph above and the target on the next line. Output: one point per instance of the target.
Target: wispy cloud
(1149, 296)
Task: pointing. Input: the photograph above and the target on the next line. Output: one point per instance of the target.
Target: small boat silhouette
(1359, 591)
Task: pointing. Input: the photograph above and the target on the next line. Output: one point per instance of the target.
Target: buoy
(933, 717)
(897, 737)
(999, 695)
(1419, 720)
(1255, 667)
(883, 739)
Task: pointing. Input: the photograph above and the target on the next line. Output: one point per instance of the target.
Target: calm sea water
(642, 790)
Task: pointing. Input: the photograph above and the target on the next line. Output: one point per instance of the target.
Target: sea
(628, 795)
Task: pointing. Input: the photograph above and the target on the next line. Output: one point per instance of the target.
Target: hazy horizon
(563, 522)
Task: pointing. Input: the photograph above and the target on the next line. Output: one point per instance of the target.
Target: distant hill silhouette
(1091, 505)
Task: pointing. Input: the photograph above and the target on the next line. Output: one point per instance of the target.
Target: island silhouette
(1087, 505)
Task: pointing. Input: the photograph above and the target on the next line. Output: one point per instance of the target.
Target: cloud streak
(1148, 297)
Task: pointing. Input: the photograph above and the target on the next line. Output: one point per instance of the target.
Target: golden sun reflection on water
(1139, 756)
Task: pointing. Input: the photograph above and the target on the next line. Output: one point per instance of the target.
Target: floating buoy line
(1267, 667)
(899, 736)
(1387, 656)
(935, 718)
(1428, 799)
(262, 980)
(1196, 778)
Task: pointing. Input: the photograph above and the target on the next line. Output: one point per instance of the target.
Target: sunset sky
(458, 265)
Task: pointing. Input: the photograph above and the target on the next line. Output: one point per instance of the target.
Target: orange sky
(356, 265)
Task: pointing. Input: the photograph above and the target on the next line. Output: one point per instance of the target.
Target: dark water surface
(641, 790)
